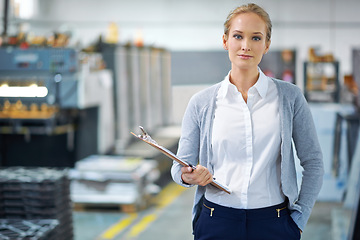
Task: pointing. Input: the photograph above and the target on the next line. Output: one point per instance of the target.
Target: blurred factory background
(76, 77)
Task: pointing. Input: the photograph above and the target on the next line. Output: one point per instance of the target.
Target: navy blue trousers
(222, 223)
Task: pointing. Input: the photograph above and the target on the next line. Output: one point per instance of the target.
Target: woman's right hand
(199, 176)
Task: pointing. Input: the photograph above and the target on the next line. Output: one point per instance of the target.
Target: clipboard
(146, 138)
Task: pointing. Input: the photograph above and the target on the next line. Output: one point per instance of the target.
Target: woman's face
(246, 41)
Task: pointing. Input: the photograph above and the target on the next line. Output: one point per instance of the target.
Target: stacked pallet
(28, 229)
(37, 194)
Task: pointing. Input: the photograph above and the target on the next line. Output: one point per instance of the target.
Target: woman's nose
(245, 46)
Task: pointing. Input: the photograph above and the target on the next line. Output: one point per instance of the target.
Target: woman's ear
(267, 46)
(224, 38)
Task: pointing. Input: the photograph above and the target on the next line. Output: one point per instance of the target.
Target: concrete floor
(172, 220)
(168, 218)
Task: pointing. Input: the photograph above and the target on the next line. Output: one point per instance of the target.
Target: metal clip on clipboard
(146, 138)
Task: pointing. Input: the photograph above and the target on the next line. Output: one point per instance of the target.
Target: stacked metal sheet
(28, 229)
(37, 193)
(102, 180)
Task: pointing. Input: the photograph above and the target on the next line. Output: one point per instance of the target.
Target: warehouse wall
(333, 25)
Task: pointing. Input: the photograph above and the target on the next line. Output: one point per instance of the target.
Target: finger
(209, 179)
(203, 172)
(205, 178)
(201, 169)
(186, 169)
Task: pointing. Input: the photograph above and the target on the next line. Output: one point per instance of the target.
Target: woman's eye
(257, 38)
(236, 36)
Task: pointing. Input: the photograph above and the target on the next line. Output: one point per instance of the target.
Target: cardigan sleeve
(188, 149)
(309, 152)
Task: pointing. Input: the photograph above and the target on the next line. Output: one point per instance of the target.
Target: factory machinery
(31, 82)
(57, 111)
(50, 106)
(142, 89)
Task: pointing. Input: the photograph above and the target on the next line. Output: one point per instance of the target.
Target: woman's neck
(244, 79)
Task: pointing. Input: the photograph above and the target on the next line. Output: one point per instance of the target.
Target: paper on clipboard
(146, 138)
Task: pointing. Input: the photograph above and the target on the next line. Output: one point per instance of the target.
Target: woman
(240, 131)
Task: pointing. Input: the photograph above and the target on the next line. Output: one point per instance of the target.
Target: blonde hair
(249, 8)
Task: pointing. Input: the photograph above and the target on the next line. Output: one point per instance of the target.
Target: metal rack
(321, 81)
(356, 72)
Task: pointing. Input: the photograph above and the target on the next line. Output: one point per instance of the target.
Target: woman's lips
(244, 56)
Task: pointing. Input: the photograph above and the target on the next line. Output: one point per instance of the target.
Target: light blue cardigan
(296, 124)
